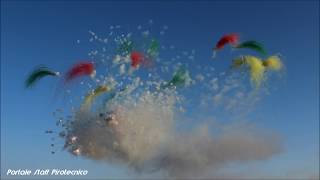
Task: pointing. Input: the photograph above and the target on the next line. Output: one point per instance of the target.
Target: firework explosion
(134, 107)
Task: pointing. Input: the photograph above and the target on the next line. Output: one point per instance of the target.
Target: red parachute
(80, 69)
(232, 39)
(138, 58)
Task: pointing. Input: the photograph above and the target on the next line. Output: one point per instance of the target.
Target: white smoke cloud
(141, 133)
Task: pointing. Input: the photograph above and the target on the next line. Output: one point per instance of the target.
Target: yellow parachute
(257, 67)
(95, 93)
(273, 63)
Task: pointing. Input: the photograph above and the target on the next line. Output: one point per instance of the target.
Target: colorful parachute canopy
(232, 39)
(95, 93)
(138, 58)
(180, 78)
(80, 69)
(38, 74)
(258, 67)
(255, 66)
(273, 63)
(254, 45)
(153, 49)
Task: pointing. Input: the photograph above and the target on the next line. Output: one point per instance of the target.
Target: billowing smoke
(136, 111)
(142, 133)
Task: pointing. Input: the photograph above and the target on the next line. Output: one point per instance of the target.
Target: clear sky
(45, 32)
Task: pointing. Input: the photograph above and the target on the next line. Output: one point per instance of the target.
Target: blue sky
(37, 32)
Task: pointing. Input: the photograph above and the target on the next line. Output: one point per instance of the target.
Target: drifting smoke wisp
(141, 133)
